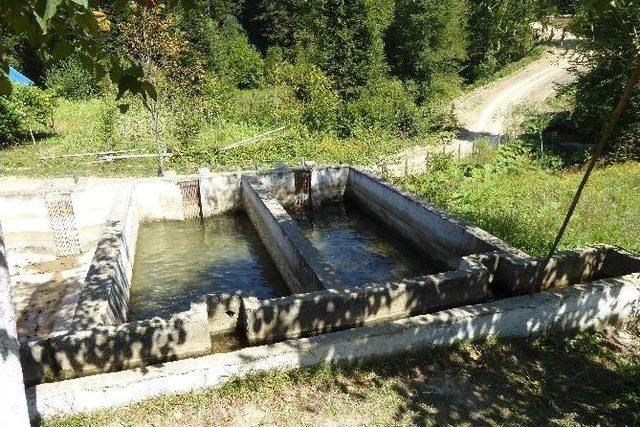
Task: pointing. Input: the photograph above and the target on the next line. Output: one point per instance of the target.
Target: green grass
(77, 130)
(526, 207)
(591, 378)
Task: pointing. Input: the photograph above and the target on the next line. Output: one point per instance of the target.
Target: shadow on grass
(549, 380)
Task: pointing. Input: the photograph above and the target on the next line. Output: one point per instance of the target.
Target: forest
(327, 73)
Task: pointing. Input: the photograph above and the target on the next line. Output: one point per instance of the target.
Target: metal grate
(303, 186)
(190, 191)
(62, 223)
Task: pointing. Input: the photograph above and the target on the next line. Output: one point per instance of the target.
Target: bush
(27, 108)
(12, 124)
(69, 79)
(385, 105)
(315, 90)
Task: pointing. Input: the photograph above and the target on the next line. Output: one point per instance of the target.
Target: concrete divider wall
(517, 275)
(264, 321)
(105, 295)
(113, 348)
(436, 233)
(300, 264)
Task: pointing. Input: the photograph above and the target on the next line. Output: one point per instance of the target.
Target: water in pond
(178, 261)
(359, 248)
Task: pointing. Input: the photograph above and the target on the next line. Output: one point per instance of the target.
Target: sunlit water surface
(178, 261)
(359, 248)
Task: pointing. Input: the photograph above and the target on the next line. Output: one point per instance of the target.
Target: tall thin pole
(611, 126)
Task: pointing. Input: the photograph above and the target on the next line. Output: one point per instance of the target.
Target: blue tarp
(17, 77)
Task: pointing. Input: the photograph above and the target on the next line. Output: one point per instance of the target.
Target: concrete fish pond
(249, 271)
(178, 261)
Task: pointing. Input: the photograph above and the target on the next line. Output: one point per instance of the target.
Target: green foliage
(12, 125)
(426, 42)
(314, 89)
(70, 79)
(57, 28)
(384, 105)
(343, 38)
(108, 123)
(28, 108)
(226, 50)
(513, 196)
(500, 33)
(610, 41)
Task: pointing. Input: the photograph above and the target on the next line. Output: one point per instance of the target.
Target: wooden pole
(608, 132)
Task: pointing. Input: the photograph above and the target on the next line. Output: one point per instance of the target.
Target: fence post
(13, 401)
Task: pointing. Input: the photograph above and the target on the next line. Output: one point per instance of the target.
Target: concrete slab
(580, 306)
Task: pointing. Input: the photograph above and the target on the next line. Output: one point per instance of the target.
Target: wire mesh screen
(302, 186)
(190, 191)
(62, 223)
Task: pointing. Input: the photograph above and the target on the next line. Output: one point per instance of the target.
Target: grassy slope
(589, 379)
(77, 131)
(527, 208)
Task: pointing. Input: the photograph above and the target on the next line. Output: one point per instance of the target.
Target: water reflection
(359, 248)
(177, 261)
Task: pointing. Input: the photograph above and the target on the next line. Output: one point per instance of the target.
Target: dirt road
(483, 112)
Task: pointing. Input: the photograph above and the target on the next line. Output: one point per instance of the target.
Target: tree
(342, 37)
(155, 42)
(500, 32)
(58, 28)
(427, 40)
(609, 43)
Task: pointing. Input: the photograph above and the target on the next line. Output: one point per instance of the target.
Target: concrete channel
(481, 286)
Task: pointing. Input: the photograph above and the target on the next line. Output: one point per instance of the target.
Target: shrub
(386, 105)
(315, 90)
(36, 106)
(69, 79)
(28, 108)
(12, 124)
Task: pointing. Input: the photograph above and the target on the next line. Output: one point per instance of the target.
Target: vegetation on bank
(588, 379)
(511, 195)
(332, 72)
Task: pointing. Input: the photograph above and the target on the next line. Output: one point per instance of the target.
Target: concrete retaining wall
(105, 295)
(300, 264)
(220, 193)
(439, 235)
(580, 306)
(114, 348)
(27, 224)
(320, 312)
(517, 275)
(13, 403)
